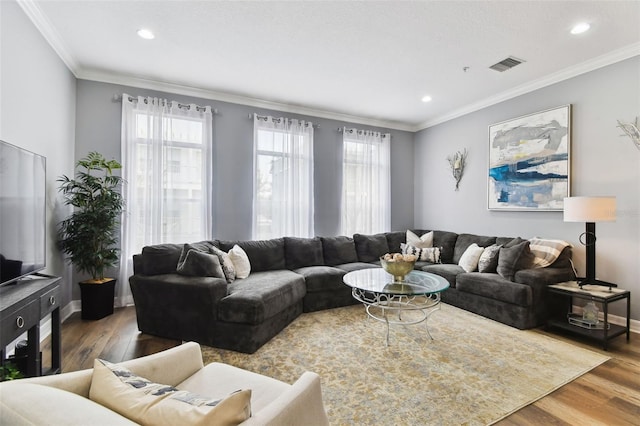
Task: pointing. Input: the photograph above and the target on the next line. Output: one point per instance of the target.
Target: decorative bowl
(398, 267)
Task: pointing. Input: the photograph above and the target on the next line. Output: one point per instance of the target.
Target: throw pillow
(428, 254)
(545, 252)
(424, 241)
(148, 403)
(240, 261)
(509, 259)
(488, 261)
(470, 257)
(227, 265)
(195, 263)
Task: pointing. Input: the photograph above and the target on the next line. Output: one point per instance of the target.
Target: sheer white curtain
(366, 182)
(283, 178)
(167, 167)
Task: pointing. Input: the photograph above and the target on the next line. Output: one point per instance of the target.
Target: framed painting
(529, 161)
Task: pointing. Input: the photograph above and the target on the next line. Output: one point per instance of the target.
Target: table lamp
(590, 210)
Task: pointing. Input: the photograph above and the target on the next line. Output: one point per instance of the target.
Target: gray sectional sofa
(294, 275)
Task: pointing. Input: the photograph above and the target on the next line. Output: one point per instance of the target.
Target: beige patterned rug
(475, 372)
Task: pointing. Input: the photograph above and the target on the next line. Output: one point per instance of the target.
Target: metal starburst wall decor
(631, 130)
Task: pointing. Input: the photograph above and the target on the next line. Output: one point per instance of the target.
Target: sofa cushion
(493, 286)
(465, 240)
(260, 296)
(488, 261)
(470, 257)
(370, 247)
(301, 252)
(160, 258)
(356, 266)
(512, 259)
(264, 255)
(394, 239)
(338, 250)
(322, 278)
(446, 241)
(146, 402)
(30, 403)
(447, 271)
(198, 264)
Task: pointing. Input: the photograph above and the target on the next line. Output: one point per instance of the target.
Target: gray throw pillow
(509, 259)
(198, 264)
(489, 259)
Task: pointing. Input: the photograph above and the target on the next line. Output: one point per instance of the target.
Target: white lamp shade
(589, 209)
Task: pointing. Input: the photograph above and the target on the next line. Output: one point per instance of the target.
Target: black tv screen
(22, 212)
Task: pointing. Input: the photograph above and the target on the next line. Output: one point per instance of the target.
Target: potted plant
(88, 236)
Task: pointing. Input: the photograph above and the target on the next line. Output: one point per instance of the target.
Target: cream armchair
(42, 400)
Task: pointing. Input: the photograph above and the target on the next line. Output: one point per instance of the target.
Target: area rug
(475, 372)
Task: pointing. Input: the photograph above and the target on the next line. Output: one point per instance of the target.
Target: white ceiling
(364, 61)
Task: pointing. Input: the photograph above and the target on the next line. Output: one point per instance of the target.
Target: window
(283, 178)
(167, 166)
(366, 175)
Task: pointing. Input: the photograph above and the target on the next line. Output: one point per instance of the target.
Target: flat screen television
(22, 213)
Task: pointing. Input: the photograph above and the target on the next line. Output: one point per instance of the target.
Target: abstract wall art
(529, 161)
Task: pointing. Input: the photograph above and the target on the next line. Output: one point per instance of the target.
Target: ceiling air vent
(506, 64)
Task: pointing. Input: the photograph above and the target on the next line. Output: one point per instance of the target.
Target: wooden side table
(605, 331)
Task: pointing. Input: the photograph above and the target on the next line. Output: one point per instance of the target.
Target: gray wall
(98, 128)
(602, 162)
(37, 112)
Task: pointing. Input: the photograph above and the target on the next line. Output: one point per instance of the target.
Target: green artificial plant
(88, 236)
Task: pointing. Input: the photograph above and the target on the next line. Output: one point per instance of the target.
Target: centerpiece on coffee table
(398, 265)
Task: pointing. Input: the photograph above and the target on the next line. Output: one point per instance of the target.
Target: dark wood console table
(22, 306)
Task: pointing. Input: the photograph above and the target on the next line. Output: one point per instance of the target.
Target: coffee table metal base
(389, 308)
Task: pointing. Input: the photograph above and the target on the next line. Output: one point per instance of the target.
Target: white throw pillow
(425, 241)
(148, 403)
(470, 257)
(240, 261)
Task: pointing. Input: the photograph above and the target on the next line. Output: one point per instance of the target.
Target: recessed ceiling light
(146, 34)
(426, 98)
(580, 28)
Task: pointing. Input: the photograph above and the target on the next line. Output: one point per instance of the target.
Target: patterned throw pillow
(148, 403)
(469, 259)
(227, 265)
(488, 261)
(428, 254)
(424, 241)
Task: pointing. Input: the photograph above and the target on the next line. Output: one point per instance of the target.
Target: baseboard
(614, 319)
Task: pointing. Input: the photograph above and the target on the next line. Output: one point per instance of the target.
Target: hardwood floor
(607, 395)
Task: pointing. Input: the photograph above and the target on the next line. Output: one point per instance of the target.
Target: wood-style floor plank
(607, 395)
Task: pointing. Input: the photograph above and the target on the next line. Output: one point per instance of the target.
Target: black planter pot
(97, 299)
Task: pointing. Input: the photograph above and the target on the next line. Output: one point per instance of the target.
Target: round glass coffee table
(387, 300)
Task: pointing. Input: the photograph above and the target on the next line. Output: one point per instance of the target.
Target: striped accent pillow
(427, 254)
(546, 251)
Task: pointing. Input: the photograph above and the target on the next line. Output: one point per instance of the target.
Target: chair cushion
(260, 296)
(447, 271)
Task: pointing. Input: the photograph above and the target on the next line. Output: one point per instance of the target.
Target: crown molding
(142, 83)
(42, 23)
(593, 64)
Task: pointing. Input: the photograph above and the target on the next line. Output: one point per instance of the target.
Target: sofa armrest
(299, 405)
(543, 276)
